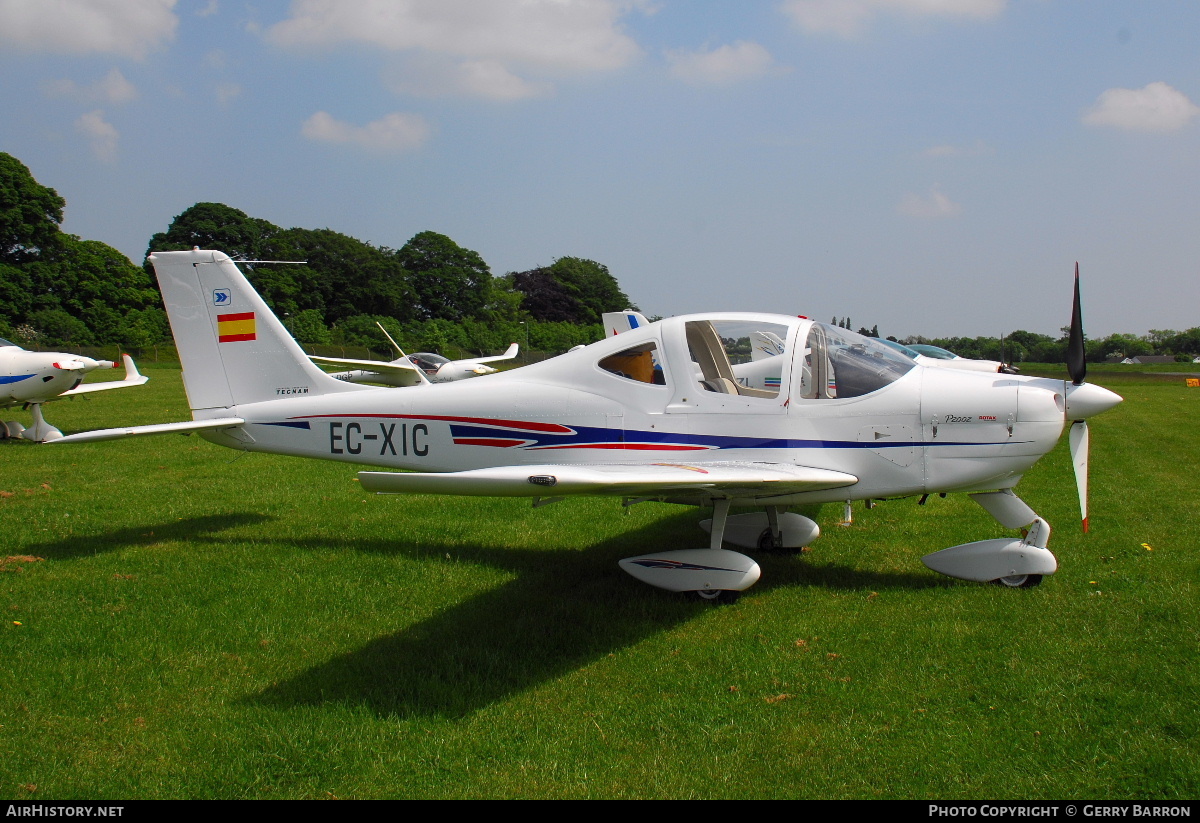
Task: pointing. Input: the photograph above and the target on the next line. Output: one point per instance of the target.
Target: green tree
(16, 292)
(361, 330)
(88, 271)
(144, 327)
(571, 289)
(1123, 345)
(448, 281)
(308, 327)
(543, 296)
(592, 285)
(30, 214)
(343, 276)
(218, 227)
(56, 327)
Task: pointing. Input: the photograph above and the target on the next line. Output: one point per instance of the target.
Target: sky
(932, 167)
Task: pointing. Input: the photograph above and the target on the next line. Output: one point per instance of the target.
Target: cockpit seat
(722, 385)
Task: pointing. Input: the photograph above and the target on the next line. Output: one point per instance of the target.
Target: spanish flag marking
(232, 328)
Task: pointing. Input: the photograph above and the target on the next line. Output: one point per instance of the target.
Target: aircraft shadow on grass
(192, 528)
(562, 611)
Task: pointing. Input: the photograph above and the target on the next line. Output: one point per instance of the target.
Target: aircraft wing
(403, 368)
(157, 428)
(132, 378)
(652, 479)
(509, 354)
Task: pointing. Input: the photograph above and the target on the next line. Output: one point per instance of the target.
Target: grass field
(182, 622)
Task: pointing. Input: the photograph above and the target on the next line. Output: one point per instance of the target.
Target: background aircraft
(31, 378)
(936, 357)
(412, 369)
(654, 413)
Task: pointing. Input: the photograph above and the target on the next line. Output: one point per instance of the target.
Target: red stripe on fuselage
(519, 425)
(488, 441)
(667, 447)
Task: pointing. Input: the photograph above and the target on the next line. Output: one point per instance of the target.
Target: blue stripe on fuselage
(583, 436)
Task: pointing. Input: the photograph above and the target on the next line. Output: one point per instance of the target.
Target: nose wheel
(723, 596)
(1019, 581)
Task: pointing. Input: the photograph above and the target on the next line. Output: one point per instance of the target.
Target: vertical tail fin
(233, 348)
(616, 322)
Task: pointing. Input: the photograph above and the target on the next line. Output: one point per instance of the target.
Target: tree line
(431, 294)
(57, 289)
(1031, 347)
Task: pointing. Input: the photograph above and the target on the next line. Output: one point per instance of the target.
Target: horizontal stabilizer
(509, 354)
(158, 428)
(401, 366)
(132, 378)
(724, 479)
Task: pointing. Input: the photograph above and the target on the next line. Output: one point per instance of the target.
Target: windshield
(428, 362)
(4, 343)
(900, 347)
(839, 363)
(933, 351)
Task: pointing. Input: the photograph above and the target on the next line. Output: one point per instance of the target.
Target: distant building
(1145, 359)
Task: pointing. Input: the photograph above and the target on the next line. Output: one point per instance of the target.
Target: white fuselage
(34, 377)
(927, 431)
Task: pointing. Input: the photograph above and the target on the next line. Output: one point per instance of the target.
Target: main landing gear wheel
(718, 595)
(1019, 581)
(766, 543)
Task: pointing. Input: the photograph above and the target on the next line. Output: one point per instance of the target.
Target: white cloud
(128, 28)
(429, 75)
(723, 66)
(100, 133)
(976, 149)
(930, 206)
(112, 88)
(227, 92)
(849, 17)
(395, 132)
(1156, 108)
(490, 39)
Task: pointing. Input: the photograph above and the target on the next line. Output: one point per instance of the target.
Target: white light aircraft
(31, 378)
(412, 369)
(936, 357)
(849, 420)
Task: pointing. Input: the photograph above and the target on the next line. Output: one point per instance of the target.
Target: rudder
(232, 347)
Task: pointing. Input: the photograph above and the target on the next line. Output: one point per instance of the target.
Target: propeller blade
(1076, 362)
(1078, 440)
